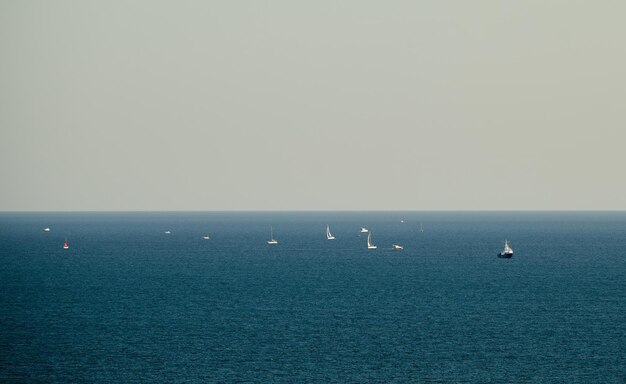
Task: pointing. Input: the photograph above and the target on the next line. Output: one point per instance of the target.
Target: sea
(129, 303)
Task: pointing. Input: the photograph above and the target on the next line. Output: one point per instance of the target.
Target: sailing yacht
(507, 252)
(370, 245)
(66, 245)
(329, 235)
(272, 240)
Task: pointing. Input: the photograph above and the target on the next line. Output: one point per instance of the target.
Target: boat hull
(505, 255)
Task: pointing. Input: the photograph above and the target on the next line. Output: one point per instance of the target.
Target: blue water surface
(128, 303)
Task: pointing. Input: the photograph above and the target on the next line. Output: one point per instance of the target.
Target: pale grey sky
(293, 105)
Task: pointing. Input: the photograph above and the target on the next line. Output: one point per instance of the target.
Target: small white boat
(364, 230)
(397, 246)
(205, 237)
(46, 229)
(66, 245)
(370, 245)
(329, 235)
(507, 252)
(421, 228)
(168, 232)
(272, 241)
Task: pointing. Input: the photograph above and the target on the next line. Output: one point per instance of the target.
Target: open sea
(127, 303)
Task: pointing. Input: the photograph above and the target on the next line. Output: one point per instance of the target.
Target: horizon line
(312, 210)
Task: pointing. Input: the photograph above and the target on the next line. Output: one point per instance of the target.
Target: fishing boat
(66, 245)
(272, 240)
(364, 230)
(397, 247)
(370, 245)
(507, 252)
(329, 235)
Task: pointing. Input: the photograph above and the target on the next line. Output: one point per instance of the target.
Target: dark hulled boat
(507, 252)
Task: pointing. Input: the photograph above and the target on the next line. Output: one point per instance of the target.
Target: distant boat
(507, 252)
(168, 232)
(272, 240)
(205, 237)
(370, 245)
(329, 235)
(397, 246)
(364, 230)
(46, 229)
(421, 228)
(66, 245)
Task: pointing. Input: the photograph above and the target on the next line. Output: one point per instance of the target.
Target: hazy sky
(294, 105)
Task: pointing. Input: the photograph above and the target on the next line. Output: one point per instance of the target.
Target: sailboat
(421, 228)
(507, 252)
(370, 245)
(329, 235)
(66, 245)
(272, 240)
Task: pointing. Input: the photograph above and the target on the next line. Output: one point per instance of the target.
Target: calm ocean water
(128, 303)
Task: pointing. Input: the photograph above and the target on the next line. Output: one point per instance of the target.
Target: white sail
(329, 235)
(272, 240)
(370, 245)
(507, 252)
(507, 248)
